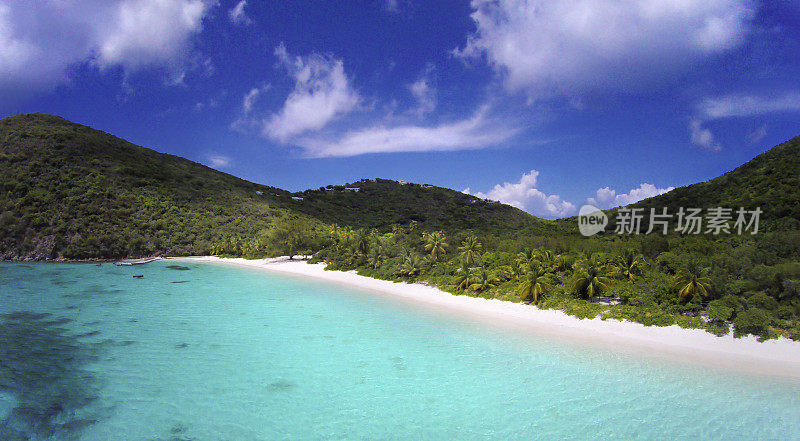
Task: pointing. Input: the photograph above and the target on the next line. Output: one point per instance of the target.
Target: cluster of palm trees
(537, 271)
(236, 246)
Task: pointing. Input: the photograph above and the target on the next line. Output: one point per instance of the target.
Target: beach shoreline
(774, 358)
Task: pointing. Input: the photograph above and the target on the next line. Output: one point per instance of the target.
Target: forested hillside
(69, 191)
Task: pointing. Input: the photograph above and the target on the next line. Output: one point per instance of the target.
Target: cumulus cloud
(608, 198)
(322, 92)
(424, 92)
(237, 14)
(478, 131)
(525, 196)
(742, 105)
(575, 46)
(703, 137)
(40, 41)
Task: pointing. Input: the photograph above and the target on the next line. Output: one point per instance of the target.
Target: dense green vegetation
(72, 192)
(69, 191)
(751, 285)
(381, 203)
(747, 283)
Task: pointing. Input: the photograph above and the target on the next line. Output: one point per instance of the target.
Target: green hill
(771, 181)
(381, 203)
(69, 191)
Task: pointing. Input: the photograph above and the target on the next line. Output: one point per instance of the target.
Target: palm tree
(563, 262)
(361, 242)
(591, 280)
(628, 264)
(512, 270)
(484, 281)
(470, 249)
(436, 244)
(410, 266)
(545, 258)
(464, 277)
(525, 257)
(375, 259)
(534, 284)
(692, 280)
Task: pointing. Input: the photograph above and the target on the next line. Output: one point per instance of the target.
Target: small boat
(138, 276)
(137, 262)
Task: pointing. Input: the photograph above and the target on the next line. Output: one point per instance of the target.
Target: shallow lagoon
(210, 352)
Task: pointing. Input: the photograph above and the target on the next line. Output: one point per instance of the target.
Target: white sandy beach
(779, 358)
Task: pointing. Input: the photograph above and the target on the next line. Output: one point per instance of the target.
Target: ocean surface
(203, 352)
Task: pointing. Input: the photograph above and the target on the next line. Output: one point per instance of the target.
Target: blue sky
(543, 105)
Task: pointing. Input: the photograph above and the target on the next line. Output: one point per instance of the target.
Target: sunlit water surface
(210, 352)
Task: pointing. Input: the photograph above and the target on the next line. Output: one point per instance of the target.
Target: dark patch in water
(59, 322)
(88, 334)
(281, 385)
(178, 267)
(26, 315)
(182, 345)
(98, 290)
(111, 342)
(178, 432)
(43, 368)
(398, 363)
(178, 428)
(180, 281)
(132, 320)
(94, 323)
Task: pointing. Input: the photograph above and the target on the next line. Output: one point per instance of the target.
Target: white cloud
(608, 198)
(145, 32)
(40, 41)
(571, 47)
(424, 92)
(218, 161)
(475, 132)
(252, 96)
(250, 99)
(702, 137)
(525, 196)
(237, 14)
(322, 92)
(740, 105)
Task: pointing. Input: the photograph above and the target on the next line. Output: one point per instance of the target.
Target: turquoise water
(210, 352)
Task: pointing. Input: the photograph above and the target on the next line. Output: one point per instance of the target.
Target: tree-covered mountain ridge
(72, 192)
